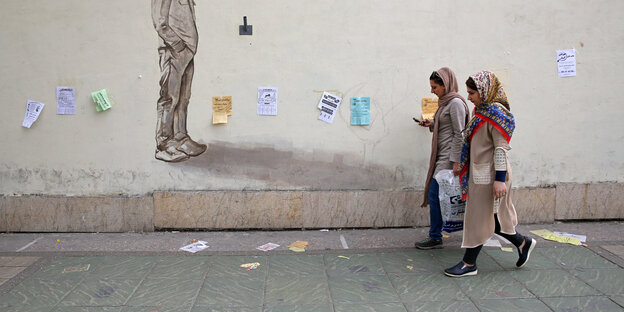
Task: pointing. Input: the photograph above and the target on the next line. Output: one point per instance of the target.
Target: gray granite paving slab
(299, 308)
(27, 309)
(553, 283)
(165, 292)
(290, 265)
(180, 267)
(507, 260)
(619, 299)
(353, 264)
(154, 309)
(362, 289)
(512, 305)
(37, 292)
(608, 255)
(409, 262)
(231, 291)
(493, 285)
(441, 306)
(607, 281)
(231, 266)
(617, 250)
(370, 307)
(124, 267)
(386, 280)
(226, 309)
(448, 257)
(582, 304)
(69, 268)
(101, 292)
(296, 290)
(86, 309)
(429, 287)
(576, 257)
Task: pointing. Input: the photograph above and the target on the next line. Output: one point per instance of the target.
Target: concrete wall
(568, 129)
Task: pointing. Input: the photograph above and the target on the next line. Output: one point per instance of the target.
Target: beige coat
(450, 140)
(480, 205)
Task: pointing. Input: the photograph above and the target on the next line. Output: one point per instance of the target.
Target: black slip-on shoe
(461, 269)
(525, 252)
(429, 243)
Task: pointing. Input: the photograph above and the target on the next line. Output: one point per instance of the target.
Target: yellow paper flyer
(221, 109)
(429, 107)
(546, 234)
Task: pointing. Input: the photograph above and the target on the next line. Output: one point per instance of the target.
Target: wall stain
(294, 168)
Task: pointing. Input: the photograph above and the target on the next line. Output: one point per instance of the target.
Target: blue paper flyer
(360, 111)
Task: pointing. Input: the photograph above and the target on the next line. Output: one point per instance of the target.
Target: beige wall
(568, 129)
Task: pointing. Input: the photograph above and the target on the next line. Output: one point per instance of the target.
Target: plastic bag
(451, 205)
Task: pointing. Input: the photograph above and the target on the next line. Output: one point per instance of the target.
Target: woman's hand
(456, 168)
(425, 123)
(500, 189)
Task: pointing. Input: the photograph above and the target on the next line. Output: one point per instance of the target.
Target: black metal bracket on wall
(245, 29)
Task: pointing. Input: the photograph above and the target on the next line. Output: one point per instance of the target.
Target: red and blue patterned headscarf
(491, 91)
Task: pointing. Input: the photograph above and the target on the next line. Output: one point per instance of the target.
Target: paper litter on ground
(250, 266)
(583, 238)
(546, 234)
(77, 268)
(267, 247)
(195, 247)
(492, 242)
(298, 246)
(507, 249)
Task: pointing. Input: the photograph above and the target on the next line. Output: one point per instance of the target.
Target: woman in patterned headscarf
(485, 175)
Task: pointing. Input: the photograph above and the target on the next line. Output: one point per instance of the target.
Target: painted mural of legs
(174, 22)
(172, 68)
(172, 140)
(186, 144)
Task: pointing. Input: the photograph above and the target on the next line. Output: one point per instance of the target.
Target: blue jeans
(435, 215)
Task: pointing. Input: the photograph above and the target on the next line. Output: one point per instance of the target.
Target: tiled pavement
(557, 278)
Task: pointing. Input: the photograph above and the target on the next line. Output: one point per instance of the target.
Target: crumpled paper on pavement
(298, 246)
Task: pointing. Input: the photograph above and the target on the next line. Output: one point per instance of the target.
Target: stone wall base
(284, 209)
(41, 213)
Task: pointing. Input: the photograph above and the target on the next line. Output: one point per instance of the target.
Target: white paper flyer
(33, 109)
(566, 63)
(267, 101)
(329, 105)
(66, 100)
(195, 247)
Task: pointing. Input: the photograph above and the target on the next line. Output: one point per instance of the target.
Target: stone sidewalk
(341, 270)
